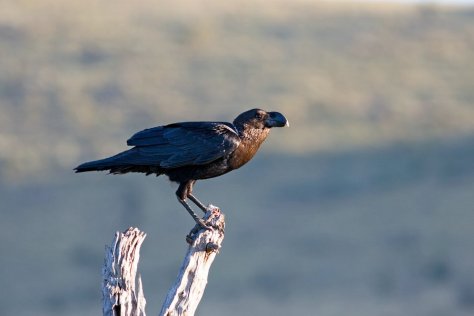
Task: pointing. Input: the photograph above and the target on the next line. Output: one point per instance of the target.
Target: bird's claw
(200, 224)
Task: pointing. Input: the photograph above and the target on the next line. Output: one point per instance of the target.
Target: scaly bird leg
(197, 202)
(184, 191)
(199, 221)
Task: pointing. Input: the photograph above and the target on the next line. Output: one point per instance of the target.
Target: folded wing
(182, 144)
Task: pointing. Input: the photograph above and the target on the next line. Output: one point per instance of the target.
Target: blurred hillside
(364, 206)
(78, 78)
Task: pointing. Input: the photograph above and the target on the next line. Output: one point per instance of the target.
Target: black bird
(191, 151)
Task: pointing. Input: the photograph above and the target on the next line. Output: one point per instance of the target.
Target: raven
(191, 151)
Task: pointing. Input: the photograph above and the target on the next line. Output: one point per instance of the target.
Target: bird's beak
(276, 119)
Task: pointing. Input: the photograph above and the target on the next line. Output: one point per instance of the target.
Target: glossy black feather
(191, 151)
(181, 144)
(172, 146)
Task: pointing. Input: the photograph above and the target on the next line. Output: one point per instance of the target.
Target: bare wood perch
(120, 295)
(184, 296)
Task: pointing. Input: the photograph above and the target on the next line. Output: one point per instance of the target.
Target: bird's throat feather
(251, 139)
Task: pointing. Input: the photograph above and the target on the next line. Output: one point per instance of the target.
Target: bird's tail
(96, 165)
(124, 162)
(120, 163)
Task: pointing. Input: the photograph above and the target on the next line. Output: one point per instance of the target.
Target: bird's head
(260, 119)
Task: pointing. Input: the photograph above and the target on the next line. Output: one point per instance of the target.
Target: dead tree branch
(122, 291)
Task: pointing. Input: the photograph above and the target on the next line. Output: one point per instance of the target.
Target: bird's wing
(181, 144)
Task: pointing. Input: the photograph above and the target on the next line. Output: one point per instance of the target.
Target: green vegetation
(78, 78)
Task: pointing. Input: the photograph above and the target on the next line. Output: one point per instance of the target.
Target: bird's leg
(198, 221)
(184, 190)
(197, 202)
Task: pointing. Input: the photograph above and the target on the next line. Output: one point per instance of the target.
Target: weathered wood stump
(122, 291)
(184, 296)
(120, 295)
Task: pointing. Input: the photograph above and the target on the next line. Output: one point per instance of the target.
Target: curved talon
(202, 224)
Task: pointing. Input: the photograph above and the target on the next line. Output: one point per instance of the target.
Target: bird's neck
(253, 136)
(250, 141)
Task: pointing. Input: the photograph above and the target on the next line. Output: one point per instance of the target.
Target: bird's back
(186, 148)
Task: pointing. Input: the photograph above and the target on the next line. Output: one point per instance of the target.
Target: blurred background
(364, 206)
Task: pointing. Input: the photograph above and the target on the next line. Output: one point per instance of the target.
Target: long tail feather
(97, 165)
(127, 161)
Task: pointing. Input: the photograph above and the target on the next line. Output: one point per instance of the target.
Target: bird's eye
(259, 115)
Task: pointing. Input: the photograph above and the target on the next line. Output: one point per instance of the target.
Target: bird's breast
(245, 151)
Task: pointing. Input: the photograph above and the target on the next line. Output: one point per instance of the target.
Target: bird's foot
(200, 224)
